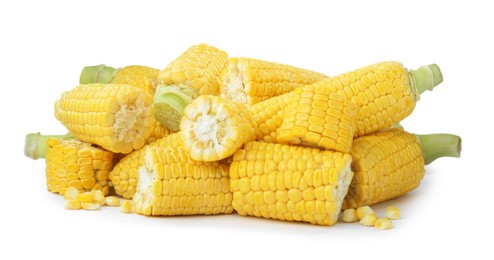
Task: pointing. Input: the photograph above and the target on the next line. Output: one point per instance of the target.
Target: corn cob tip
(435, 146)
(97, 74)
(35, 144)
(170, 103)
(426, 77)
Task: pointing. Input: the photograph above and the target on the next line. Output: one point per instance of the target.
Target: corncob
(171, 183)
(192, 74)
(289, 182)
(250, 81)
(390, 163)
(213, 128)
(117, 117)
(138, 76)
(35, 144)
(320, 118)
(71, 163)
(125, 174)
(384, 93)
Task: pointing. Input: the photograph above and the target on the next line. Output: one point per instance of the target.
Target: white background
(46, 43)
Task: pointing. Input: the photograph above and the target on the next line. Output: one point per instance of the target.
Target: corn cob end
(435, 146)
(170, 103)
(35, 144)
(426, 77)
(97, 74)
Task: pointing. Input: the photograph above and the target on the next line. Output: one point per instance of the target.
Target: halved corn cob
(135, 75)
(117, 117)
(384, 93)
(320, 118)
(192, 74)
(289, 182)
(250, 81)
(72, 163)
(214, 128)
(390, 163)
(171, 183)
(125, 173)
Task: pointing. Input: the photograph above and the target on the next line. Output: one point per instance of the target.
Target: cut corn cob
(192, 74)
(214, 128)
(289, 182)
(171, 183)
(125, 174)
(117, 117)
(250, 81)
(390, 163)
(142, 77)
(384, 93)
(267, 115)
(320, 118)
(71, 163)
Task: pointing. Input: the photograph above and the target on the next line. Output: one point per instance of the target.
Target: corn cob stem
(169, 105)
(439, 145)
(35, 144)
(97, 74)
(426, 78)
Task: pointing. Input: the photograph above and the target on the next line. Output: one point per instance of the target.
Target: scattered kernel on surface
(383, 224)
(126, 206)
(349, 215)
(112, 201)
(369, 220)
(87, 197)
(98, 196)
(90, 206)
(393, 213)
(71, 193)
(72, 204)
(363, 211)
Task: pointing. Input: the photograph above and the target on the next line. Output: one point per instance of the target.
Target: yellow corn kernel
(350, 215)
(383, 223)
(85, 197)
(393, 213)
(71, 193)
(99, 197)
(90, 206)
(364, 211)
(126, 206)
(112, 201)
(72, 204)
(369, 220)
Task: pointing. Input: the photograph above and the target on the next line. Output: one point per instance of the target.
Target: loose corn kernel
(99, 197)
(71, 193)
(112, 201)
(350, 215)
(369, 220)
(363, 211)
(72, 204)
(86, 197)
(393, 213)
(90, 206)
(126, 206)
(383, 223)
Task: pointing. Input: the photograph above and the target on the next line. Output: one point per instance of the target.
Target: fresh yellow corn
(172, 183)
(383, 224)
(71, 163)
(214, 128)
(118, 118)
(126, 206)
(393, 213)
(364, 211)
(125, 174)
(90, 205)
(72, 204)
(71, 193)
(320, 118)
(250, 81)
(384, 93)
(390, 163)
(350, 215)
(289, 182)
(142, 77)
(268, 115)
(192, 74)
(369, 220)
(112, 201)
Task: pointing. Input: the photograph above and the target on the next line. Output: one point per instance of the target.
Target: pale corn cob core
(386, 164)
(290, 183)
(125, 173)
(213, 128)
(250, 81)
(116, 117)
(171, 183)
(75, 164)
